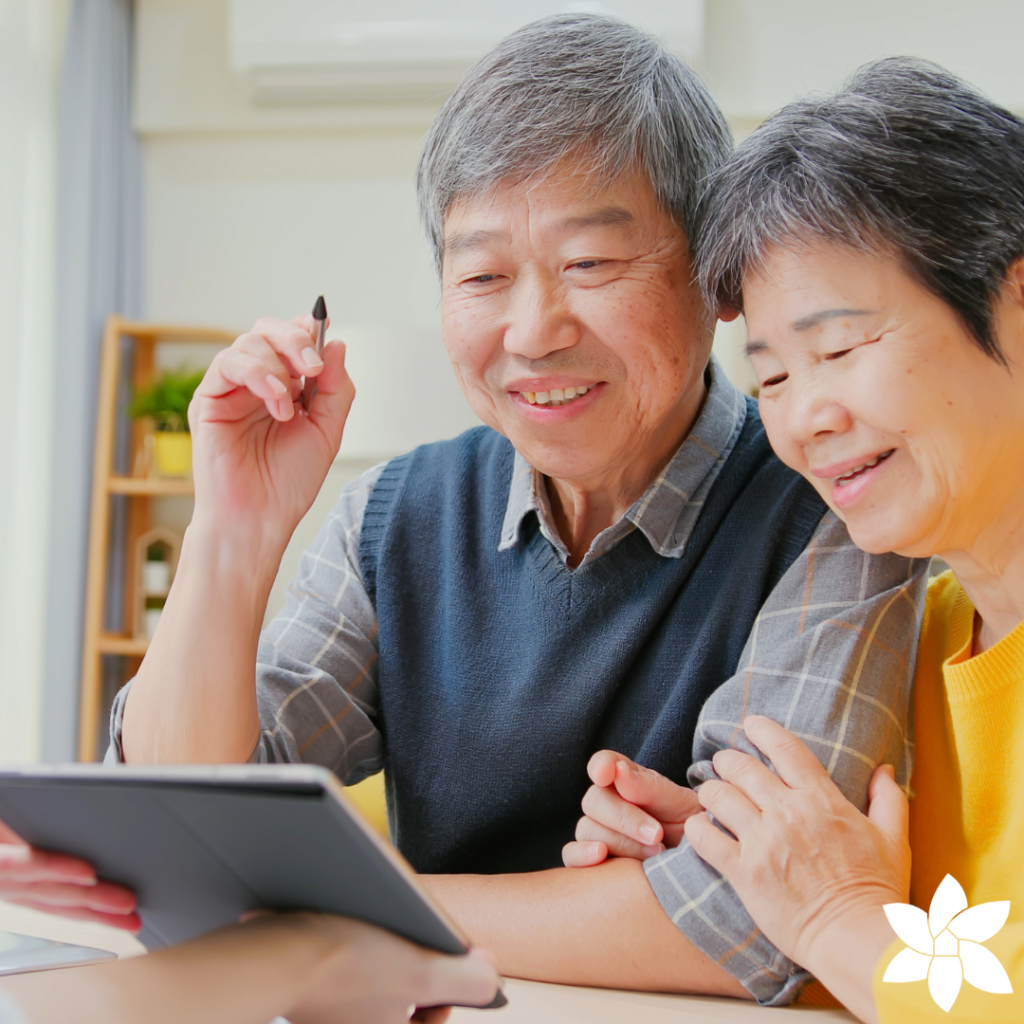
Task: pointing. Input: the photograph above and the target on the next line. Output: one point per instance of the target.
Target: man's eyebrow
(473, 240)
(609, 216)
(807, 322)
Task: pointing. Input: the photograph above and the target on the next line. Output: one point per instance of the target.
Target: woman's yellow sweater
(967, 815)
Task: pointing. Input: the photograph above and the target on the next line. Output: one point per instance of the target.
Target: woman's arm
(311, 968)
(812, 870)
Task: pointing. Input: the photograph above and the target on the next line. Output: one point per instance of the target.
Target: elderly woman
(875, 241)
(616, 548)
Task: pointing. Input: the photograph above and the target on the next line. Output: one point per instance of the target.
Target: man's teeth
(556, 396)
(847, 477)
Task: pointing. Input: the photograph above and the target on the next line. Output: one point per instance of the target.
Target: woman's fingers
(618, 845)
(607, 808)
(733, 808)
(711, 843)
(586, 854)
(793, 760)
(888, 807)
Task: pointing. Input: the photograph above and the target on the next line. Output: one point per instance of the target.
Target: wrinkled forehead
(570, 198)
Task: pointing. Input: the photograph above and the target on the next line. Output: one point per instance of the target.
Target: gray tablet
(202, 845)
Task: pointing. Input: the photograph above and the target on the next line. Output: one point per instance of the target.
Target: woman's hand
(62, 885)
(629, 811)
(258, 459)
(812, 870)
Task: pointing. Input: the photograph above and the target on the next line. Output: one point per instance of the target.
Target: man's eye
(482, 279)
(587, 264)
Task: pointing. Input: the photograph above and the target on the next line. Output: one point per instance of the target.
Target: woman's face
(872, 389)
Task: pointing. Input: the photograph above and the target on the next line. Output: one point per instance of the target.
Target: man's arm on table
(602, 927)
(831, 657)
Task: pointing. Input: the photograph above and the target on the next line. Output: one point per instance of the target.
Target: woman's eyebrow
(805, 323)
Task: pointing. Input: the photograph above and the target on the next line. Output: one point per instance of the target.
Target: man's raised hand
(629, 811)
(258, 460)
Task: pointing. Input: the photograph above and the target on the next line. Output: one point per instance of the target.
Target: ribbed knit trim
(986, 675)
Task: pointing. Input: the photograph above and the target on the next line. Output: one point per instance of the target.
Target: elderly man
(617, 549)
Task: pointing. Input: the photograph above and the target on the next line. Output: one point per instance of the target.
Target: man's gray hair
(905, 161)
(574, 86)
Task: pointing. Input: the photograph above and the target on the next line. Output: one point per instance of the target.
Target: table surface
(530, 1002)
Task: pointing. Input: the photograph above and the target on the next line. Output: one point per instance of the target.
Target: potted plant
(165, 401)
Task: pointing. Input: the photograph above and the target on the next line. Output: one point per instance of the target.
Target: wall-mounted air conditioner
(391, 50)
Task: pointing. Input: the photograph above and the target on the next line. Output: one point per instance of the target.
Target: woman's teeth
(842, 481)
(556, 396)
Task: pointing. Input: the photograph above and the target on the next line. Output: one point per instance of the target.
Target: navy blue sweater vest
(502, 672)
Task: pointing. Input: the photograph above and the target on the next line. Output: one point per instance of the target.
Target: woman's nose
(539, 321)
(814, 412)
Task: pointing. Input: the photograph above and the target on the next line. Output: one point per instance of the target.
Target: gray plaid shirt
(830, 656)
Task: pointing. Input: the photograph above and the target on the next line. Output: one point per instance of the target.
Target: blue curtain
(99, 271)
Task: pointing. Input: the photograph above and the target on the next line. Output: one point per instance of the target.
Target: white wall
(30, 31)
(255, 208)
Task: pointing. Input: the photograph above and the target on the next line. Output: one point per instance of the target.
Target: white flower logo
(944, 944)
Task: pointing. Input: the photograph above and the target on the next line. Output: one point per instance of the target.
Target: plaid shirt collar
(667, 511)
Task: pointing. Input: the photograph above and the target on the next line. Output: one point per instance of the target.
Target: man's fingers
(335, 393)
(887, 804)
(294, 341)
(662, 798)
(601, 767)
(584, 854)
(618, 845)
(730, 806)
(711, 843)
(791, 757)
(607, 808)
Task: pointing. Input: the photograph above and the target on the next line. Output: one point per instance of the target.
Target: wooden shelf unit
(98, 640)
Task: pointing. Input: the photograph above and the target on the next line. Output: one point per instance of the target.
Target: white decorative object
(153, 578)
(156, 578)
(150, 619)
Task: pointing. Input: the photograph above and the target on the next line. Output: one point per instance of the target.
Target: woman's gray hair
(907, 161)
(574, 86)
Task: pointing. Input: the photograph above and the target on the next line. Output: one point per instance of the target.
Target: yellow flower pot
(173, 452)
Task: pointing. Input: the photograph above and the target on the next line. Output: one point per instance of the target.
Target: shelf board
(111, 643)
(158, 487)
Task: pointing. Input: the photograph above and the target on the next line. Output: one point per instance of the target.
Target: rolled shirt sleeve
(830, 657)
(316, 665)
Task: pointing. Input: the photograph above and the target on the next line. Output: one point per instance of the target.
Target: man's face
(566, 285)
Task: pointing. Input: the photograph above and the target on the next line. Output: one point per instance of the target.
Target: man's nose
(540, 321)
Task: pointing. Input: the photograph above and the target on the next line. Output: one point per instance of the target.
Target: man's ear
(727, 314)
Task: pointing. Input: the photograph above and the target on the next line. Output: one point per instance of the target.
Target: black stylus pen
(309, 383)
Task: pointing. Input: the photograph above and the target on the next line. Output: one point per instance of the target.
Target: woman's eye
(839, 354)
(777, 379)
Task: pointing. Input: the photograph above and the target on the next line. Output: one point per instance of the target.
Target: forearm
(194, 698)
(601, 927)
(240, 976)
